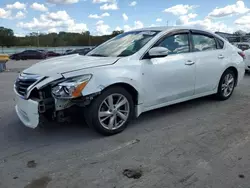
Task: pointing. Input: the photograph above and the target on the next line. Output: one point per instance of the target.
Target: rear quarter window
(220, 44)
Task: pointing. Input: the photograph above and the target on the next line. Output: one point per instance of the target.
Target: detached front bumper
(27, 111)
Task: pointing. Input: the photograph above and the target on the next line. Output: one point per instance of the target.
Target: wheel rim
(227, 85)
(114, 111)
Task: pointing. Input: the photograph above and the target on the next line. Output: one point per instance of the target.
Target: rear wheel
(110, 112)
(226, 85)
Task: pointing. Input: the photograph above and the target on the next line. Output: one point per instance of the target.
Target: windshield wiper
(98, 55)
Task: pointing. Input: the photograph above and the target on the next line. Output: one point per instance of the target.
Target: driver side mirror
(158, 52)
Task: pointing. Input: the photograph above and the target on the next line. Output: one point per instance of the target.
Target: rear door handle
(189, 62)
(220, 57)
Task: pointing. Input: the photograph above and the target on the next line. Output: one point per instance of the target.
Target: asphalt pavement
(202, 143)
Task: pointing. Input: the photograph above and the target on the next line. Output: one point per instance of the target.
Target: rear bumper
(247, 64)
(27, 111)
(241, 74)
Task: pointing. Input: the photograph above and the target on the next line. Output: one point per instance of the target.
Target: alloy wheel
(114, 111)
(228, 85)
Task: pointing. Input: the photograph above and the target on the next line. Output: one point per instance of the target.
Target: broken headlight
(72, 87)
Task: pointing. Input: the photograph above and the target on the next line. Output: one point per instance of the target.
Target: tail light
(242, 54)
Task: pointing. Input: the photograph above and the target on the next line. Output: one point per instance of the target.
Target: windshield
(124, 44)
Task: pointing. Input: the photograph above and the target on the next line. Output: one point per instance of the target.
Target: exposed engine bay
(50, 105)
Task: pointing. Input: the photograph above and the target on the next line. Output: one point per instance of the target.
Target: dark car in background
(82, 51)
(44, 51)
(53, 54)
(50, 53)
(67, 51)
(29, 54)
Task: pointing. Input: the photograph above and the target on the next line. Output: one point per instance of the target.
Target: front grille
(21, 86)
(24, 81)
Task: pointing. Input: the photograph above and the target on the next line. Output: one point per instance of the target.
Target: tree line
(7, 39)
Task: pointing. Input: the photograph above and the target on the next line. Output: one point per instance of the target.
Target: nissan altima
(132, 73)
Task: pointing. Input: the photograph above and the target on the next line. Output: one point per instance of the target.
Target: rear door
(210, 58)
(38, 54)
(24, 54)
(28, 54)
(33, 54)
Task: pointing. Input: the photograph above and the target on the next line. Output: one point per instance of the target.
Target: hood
(54, 66)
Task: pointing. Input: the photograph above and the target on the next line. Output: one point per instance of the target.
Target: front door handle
(189, 62)
(221, 57)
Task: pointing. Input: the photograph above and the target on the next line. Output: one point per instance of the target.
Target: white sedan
(247, 59)
(134, 72)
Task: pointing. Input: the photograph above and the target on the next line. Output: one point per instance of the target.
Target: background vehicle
(53, 54)
(247, 59)
(82, 51)
(243, 46)
(119, 80)
(67, 51)
(29, 54)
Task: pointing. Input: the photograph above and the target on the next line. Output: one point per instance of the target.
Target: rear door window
(26, 52)
(203, 42)
(220, 43)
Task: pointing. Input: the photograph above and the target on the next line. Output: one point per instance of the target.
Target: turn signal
(78, 90)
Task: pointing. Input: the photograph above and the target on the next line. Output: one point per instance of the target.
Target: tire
(225, 90)
(94, 113)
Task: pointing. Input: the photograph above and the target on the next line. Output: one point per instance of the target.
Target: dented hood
(55, 66)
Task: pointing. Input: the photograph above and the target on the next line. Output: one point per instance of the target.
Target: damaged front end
(56, 98)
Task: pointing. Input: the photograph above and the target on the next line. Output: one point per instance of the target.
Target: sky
(104, 16)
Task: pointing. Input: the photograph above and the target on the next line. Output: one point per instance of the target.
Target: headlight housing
(72, 87)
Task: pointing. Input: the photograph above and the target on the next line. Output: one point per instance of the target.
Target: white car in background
(134, 72)
(243, 45)
(247, 59)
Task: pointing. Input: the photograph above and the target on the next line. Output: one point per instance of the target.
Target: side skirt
(140, 108)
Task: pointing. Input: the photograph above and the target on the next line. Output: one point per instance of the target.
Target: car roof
(165, 28)
(31, 50)
(171, 28)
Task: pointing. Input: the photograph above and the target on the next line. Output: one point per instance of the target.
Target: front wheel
(110, 112)
(226, 85)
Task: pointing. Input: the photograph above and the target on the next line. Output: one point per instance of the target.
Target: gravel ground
(201, 143)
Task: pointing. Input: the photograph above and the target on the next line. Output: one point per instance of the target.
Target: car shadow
(79, 125)
(78, 132)
(175, 108)
(15, 133)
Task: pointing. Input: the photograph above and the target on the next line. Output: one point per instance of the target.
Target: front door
(172, 77)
